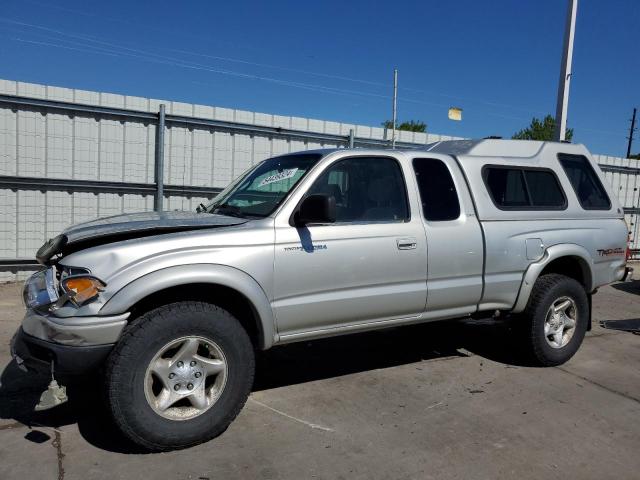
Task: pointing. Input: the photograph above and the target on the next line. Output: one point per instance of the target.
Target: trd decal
(610, 251)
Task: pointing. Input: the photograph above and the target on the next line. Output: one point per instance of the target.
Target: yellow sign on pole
(455, 113)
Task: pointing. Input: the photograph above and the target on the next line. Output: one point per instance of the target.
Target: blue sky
(498, 60)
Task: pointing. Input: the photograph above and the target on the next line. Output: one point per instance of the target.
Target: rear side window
(437, 190)
(585, 182)
(514, 188)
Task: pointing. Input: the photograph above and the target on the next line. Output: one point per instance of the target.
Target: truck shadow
(629, 287)
(337, 356)
(281, 366)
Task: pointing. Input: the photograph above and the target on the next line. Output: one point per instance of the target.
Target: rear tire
(555, 320)
(179, 375)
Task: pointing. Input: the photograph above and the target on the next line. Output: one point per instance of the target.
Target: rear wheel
(179, 375)
(555, 320)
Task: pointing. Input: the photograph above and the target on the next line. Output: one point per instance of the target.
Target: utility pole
(631, 130)
(565, 73)
(395, 107)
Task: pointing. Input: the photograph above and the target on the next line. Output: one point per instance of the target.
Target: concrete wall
(84, 146)
(40, 143)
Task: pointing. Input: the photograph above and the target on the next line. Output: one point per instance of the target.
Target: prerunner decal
(311, 248)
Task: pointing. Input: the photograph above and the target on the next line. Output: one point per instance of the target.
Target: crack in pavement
(57, 444)
(604, 387)
(291, 417)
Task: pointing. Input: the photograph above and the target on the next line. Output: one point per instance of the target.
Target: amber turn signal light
(82, 289)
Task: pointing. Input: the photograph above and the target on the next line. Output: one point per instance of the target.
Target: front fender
(175, 276)
(552, 253)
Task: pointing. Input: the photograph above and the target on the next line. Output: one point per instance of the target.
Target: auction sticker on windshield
(276, 177)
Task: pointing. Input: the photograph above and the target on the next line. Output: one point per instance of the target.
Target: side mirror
(318, 208)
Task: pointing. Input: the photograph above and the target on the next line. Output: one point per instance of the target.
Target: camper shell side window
(523, 188)
(585, 182)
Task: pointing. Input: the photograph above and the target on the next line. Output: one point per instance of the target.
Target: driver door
(369, 266)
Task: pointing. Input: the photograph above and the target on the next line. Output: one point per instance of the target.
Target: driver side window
(366, 189)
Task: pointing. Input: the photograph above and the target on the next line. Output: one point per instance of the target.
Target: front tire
(179, 375)
(555, 320)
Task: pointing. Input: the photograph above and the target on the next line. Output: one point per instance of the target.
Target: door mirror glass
(317, 208)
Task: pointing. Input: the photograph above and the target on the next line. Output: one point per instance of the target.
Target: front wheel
(555, 320)
(179, 375)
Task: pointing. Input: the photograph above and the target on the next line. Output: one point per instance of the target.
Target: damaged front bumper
(75, 345)
(33, 354)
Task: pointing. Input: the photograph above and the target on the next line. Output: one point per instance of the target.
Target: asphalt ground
(449, 400)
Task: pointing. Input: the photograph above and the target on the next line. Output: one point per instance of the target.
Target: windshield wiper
(229, 210)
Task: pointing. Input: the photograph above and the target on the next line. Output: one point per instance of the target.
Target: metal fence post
(351, 138)
(159, 162)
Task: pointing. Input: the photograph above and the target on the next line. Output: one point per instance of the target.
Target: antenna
(395, 107)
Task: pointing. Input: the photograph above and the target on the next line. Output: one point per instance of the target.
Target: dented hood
(119, 227)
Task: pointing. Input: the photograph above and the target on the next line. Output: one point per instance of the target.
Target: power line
(162, 59)
(310, 87)
(278, 67)
(265, 65)
(117, 50)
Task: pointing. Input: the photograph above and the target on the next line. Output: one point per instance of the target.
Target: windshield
(259, 191)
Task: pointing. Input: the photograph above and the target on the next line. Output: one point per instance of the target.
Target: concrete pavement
(433, 401)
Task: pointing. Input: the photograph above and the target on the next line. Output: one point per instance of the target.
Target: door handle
(408, 243)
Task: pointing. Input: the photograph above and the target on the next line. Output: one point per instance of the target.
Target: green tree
(411, 125)
(636, 156)
(541, 130)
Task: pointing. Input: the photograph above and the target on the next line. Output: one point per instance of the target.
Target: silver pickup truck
(172, 306)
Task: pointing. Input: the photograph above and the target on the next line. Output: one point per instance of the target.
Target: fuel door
(535, 248)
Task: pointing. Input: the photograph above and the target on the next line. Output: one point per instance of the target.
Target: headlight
(82, 288)
(40, 289)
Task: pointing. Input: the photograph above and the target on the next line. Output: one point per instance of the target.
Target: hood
(132, 225)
